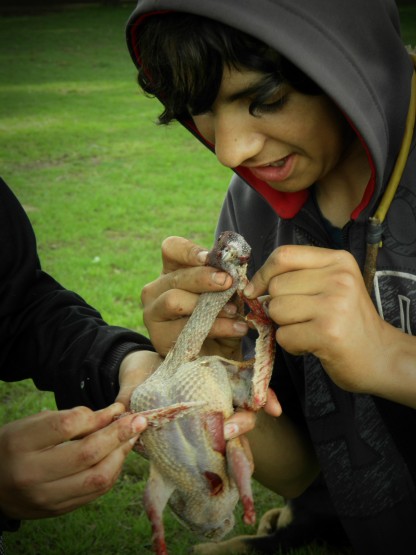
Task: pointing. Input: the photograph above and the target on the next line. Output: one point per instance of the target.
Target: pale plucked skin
(181, 451)
(192, 468)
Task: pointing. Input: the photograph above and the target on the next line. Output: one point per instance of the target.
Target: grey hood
(364, 68)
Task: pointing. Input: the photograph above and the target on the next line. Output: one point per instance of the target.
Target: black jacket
(50, 334)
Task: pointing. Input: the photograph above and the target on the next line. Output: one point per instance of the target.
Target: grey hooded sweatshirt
(353, 50)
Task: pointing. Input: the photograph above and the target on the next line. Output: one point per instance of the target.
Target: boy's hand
(320, 303)
(244, 421)
(170, 300)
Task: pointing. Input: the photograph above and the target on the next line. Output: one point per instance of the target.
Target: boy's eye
(259, 108)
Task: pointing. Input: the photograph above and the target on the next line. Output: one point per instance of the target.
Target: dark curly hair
(183, 57)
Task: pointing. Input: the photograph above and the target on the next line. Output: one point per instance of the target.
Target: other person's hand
(55, 461)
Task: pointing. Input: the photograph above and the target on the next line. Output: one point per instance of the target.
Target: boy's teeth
(278, 164)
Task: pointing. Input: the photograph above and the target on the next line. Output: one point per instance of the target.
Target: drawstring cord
(375, 224)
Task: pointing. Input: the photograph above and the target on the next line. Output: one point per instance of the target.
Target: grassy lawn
(103, 185)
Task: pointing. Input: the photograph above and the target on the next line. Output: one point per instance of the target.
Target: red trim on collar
(286, 205)
(371, 185)
(369, 190)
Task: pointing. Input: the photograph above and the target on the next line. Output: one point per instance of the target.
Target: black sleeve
(50, 334)
(8, 525)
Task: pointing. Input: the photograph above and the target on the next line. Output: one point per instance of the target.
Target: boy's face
(291, 142)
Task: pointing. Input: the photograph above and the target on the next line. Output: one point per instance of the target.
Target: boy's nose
(236, 142)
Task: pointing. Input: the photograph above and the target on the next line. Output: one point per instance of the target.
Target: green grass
(408, 24)
(102, 186)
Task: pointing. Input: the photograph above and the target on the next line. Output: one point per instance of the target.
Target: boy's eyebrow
(251, 90)
(248, 91)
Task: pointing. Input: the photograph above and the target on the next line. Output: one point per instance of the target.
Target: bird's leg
(156, 496)
(240, 467)
(265, 350)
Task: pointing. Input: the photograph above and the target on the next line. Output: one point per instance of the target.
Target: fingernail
(230, 309)
(248, 291)
(138, 424)
(231, 431)
(241, 328)
(116, 409)
(219, 277)
(133, 440)
(202, 256)
(116, 406)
